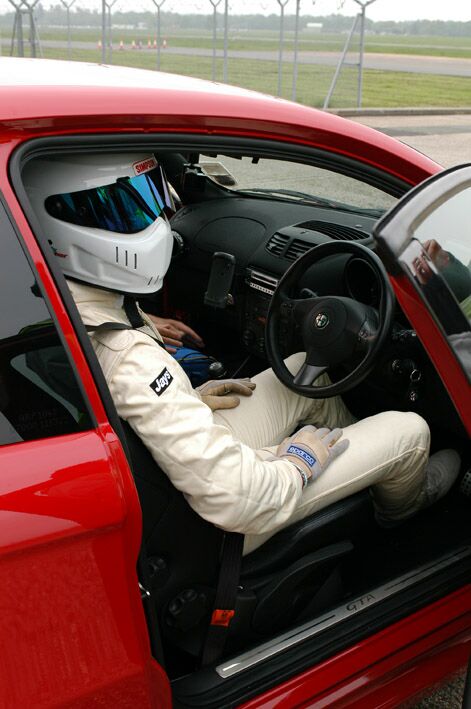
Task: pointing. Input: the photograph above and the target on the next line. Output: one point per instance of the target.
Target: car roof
(49, 72)
(55, 96)
(121, 89)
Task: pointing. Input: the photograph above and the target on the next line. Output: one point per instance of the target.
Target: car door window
(446, 238)
(439, 260)
(39, 393)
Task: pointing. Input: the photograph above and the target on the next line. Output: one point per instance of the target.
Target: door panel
(72, 626)
(425, 241)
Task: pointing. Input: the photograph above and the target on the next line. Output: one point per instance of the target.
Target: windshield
(298, 182)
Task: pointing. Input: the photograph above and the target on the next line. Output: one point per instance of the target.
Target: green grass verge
(380, 89)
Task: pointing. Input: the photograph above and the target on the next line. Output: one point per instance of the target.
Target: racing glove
(311, 450)
(214, 393)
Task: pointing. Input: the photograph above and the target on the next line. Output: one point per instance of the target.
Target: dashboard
(265, 237)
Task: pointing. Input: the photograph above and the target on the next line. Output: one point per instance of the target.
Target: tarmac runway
(383, 62)
(446, 137)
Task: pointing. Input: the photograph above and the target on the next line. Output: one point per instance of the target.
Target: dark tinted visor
(127, 206)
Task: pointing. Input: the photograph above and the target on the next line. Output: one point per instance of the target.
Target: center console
(260, 289)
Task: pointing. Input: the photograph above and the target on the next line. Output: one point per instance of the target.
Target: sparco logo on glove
(162, 382)
(311, 450)
(294, 450)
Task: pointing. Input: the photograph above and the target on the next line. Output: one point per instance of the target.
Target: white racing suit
(224, 461)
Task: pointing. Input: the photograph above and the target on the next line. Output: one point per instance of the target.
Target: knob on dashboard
(248, 337)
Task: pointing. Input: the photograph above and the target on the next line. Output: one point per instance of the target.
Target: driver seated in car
(229, 445)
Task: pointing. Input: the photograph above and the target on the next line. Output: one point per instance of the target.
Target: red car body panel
(451, 373)
(70, 512)
(388, 668)
(86, 98)
(74, 618)
(77, 636)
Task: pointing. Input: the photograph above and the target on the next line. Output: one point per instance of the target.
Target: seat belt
(226, 594)
(133, 315)
(231, 554)
(132, 312)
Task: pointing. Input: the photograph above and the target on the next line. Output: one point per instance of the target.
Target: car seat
(293, 576)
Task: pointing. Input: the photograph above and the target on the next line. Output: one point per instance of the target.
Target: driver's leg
(388, 452)
(274, 411)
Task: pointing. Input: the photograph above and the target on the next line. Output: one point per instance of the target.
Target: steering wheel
(334, 329)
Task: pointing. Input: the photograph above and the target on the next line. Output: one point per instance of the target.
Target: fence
(290, 52)
(285, 53)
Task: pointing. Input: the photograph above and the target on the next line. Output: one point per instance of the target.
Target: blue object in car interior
(195, 363)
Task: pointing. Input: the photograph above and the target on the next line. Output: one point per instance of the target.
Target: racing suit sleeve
(224, 481)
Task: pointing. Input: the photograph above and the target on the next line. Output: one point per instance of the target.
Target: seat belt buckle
(144, 592)
(221, 617)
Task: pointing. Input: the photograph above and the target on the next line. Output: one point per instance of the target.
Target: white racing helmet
(104, 217)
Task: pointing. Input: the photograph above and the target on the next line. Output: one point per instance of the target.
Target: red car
(108, 579)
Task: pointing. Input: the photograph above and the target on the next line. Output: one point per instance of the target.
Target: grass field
(380, 89)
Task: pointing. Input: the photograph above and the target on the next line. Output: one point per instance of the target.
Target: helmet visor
(126, 206)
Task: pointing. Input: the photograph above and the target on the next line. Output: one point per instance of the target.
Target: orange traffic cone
(164, 44)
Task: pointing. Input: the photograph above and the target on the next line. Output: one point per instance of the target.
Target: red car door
(426, 242)
(72, 625)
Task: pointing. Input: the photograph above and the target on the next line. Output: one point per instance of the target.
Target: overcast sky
(459, 10)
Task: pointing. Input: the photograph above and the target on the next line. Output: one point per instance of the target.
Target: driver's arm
(176, 333)
(225, 481)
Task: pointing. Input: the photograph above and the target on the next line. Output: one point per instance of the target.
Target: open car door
(425, 242)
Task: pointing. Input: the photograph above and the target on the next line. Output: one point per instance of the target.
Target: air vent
(339, 232)
(297, 248)
(277, 244)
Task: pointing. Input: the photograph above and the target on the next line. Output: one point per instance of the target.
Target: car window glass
(439, 260)
(446, 238)
(296, 181)
(39, 394)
